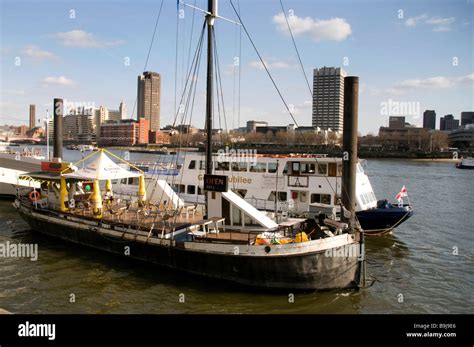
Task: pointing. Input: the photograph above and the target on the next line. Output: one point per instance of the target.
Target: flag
(401, 194)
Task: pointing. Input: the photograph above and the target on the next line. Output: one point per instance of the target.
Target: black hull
(465, 167)
(309, 271)
(378, 221)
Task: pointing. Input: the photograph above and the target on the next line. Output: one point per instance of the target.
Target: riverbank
(438, 160)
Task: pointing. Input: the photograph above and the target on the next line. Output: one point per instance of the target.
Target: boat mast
(58, 128)
(210, 17)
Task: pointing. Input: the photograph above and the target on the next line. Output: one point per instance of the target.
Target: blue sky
(408, 59)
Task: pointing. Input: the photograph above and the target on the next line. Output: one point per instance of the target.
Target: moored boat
(466, 163)
(301, 185)
(231, 240)
(259, 252)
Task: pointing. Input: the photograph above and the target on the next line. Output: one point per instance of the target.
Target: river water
(425, 266)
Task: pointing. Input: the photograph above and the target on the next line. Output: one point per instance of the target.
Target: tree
(439, 140)
(333, 139)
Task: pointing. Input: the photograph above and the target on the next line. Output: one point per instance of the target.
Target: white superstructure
(300, 182)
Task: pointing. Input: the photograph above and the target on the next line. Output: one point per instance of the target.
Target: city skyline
(83, 59)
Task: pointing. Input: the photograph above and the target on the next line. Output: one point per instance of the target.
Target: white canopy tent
(101, 168)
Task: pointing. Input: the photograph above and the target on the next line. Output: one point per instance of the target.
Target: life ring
(34, 196)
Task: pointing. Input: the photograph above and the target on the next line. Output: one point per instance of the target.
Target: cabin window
(222, 166)
(321, 199)
(272, 167)
(191, 189)
(281, 196)
(242, 167)
(285, 169)
(332, 169)
(258, 167)
(322, 169)
(133, 181)
(123, 181)
(192, 165)
(202, 165)
(308, 168)
(295, 167)
(339, 169)
(178, 188)
(115, 181)
(200, 192)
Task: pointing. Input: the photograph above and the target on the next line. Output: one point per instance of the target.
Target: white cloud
(334, 29)
(82, 39)
(432, 82)
(60, 80)
(437, 82)
(439, 24)
(440, 21)
(271, 64)
(412, 22)
(37, 53)
(466, 79)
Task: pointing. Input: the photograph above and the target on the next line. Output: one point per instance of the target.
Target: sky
(409, 56)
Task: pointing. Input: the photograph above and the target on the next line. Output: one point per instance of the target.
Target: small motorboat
(466, 163)
(383, 218)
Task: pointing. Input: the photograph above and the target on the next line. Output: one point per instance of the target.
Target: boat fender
(34, 196)
(260, 240)
(301, 237)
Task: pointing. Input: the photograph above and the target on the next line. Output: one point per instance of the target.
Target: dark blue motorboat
(383, 218)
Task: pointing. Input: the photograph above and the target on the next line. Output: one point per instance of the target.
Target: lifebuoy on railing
(34, 196)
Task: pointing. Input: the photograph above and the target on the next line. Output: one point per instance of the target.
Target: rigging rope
(149, 48)
(263, 63)
(296, 49)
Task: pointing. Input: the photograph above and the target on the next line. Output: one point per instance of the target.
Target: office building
(123, 110)
(429, 119)
(148, 98)
(396, 122)
(253, 124)
(124, 133)
(328, 98)
(448, 123)
(32, 116)
(467, 118)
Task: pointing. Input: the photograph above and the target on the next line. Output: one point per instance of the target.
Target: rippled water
(415, 265)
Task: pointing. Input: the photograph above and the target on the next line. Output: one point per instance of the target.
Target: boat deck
(144, 218)
(185, 223)
(161, 224)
